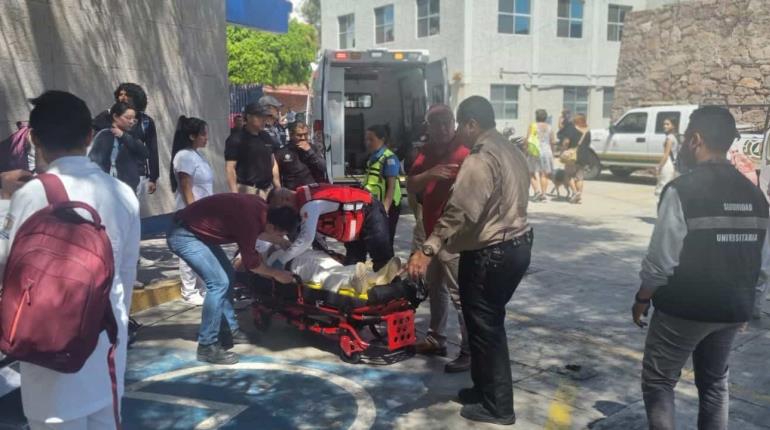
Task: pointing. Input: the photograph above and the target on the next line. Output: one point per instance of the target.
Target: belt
(522, 239)
(264, 185)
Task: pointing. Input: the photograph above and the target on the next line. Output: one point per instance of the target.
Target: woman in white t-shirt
(191, 180)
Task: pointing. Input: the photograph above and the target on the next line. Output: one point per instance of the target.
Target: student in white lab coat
(61, 133)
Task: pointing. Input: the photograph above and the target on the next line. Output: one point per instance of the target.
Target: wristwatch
(428, 250)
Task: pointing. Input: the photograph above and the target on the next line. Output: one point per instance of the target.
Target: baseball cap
(256, 109)
(270, 101)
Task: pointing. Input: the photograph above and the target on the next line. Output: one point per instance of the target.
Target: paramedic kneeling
(347, 214)
(199, 230)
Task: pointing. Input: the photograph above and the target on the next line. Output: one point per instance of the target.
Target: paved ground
(572, 310)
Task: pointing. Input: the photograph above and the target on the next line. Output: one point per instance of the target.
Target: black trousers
(374, 238)
(488, 279)
(393, 215)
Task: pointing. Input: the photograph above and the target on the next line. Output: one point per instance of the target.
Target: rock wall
(703, 51)
(175, 49)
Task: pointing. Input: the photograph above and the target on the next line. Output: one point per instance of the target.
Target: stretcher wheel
(353, 358)
(348, 351)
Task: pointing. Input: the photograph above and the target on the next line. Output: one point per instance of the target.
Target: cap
(256, 109)
(270, 101)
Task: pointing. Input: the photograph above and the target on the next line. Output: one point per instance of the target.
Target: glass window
(347, 35)
(570, 21)
(505, 101)
(358, 101)
(513, 16)
(576, 99)
(383, 24)
(617, 15)
(607, 99)
(662, 117)
(632, 123)
(428, 18)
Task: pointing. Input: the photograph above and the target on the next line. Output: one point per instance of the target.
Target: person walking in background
(431, 177)
(541, 167)
(237, 124)
(116, 150)
(578, 139)
(382, 173)
(709, 251)
(249, 161)
(666, 170)
(191, 179)
(61, 131)
(298, 163)
(485, 220)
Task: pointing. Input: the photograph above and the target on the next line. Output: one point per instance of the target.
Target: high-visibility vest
(376, 183)
(345, 223)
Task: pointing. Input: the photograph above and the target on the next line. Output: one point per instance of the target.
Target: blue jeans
(213, 266)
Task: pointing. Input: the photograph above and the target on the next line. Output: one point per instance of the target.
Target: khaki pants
(443, 287)
(247, 189)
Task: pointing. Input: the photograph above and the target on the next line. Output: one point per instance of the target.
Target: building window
(570, 21)
(347, 31)
(617, 16)
(607, 100)
(513, 16)
(505, 101)
(576, 99)
(428, 18)
(383, 24)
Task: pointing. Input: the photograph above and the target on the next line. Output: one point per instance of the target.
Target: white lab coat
(46, 393)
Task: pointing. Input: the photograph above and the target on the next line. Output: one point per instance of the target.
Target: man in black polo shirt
(249, 161)
(708, 253)
(298, 163)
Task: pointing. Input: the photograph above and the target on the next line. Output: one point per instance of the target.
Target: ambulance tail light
(341, 55)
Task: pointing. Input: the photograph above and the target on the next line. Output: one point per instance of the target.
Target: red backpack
(55, 298)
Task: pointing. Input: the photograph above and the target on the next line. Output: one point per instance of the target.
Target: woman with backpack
(116, 151)
(191, 179)
(666, 169)
(382, 173)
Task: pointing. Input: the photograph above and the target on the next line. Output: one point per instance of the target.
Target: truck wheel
(621, 172)
(593, 168)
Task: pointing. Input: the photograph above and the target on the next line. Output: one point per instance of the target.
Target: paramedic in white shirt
(61, 133)
(191, 180)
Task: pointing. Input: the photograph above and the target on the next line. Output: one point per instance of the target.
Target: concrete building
(521, 54)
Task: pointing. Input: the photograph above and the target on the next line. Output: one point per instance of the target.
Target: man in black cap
(273, 127)
(249, 161)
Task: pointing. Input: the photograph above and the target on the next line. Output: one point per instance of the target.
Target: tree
(256, 57)
(311, 12)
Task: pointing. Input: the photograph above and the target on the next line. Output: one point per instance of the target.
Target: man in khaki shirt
(485, 220)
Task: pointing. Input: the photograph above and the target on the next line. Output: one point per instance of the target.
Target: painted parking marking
(224, 412)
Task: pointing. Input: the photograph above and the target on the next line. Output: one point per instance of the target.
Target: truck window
(662, 117)
(358, 101)
(632, 123)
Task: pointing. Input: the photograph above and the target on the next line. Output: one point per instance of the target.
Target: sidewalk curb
(155, 294)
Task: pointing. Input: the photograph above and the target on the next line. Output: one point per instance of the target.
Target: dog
(560, 178)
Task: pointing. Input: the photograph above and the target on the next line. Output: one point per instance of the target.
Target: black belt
(522, 239)
(261, 185)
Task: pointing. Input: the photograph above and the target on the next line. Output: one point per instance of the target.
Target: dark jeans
(488, 278)
(670, 342)
(374, 238)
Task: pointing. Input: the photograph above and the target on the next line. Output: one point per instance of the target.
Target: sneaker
(194, 299)
(477, 412)
(215, 354)
(468, 396)
(428, 346)
(460, 364)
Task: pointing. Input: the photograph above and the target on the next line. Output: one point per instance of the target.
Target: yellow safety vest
(376, 183)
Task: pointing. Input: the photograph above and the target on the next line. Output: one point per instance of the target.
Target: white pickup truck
(635, 141)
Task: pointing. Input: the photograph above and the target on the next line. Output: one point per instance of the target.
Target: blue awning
(267, 15)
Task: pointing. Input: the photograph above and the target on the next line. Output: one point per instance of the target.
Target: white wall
(175, 49)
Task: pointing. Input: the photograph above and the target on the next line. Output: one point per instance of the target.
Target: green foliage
(256, 57)
(311, 12)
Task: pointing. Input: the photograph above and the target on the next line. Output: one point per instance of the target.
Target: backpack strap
(111, 325)
(54, 189)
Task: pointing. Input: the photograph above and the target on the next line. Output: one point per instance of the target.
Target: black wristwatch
(641, 301)
(428, 250)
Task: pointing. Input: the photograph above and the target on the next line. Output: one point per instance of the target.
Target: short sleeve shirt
(253, 154)
(194, 164)
(391, 166)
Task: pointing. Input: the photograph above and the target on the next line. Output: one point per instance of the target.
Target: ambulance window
(358, 101)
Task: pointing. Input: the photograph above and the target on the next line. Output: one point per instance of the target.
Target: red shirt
(437, 192)
(228, 218)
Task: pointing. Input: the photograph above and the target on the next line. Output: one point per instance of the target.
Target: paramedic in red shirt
(199, 230)
(431, 177)
(350, 215)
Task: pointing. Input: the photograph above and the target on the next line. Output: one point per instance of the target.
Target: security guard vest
(376, 183)
(721, 257)
(344, 224)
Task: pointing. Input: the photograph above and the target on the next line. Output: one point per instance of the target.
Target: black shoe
(479, 413)
(460, 364)
(228, 339)
(215, 354)
(468, 396)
